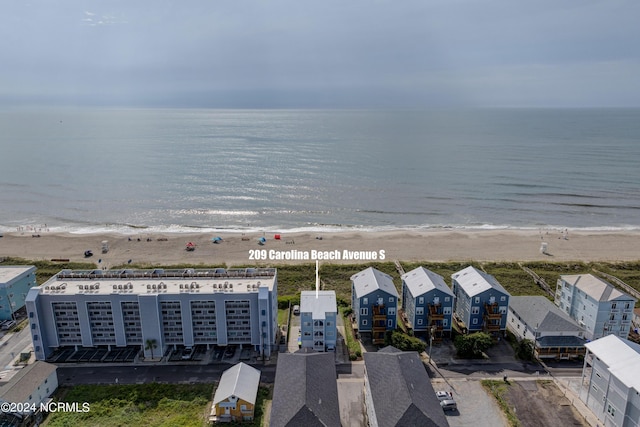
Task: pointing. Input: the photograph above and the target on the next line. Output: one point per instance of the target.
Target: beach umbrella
(262, 241)
(217, 239)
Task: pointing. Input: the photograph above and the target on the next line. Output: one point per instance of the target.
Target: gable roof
(401, 390)
(370, 280)
(474, 281)
(320, 306)
(240, 380)
(595, 287)
(25, 381)
(420, 281)
(305, 391)
(621, 356)
(538, 312)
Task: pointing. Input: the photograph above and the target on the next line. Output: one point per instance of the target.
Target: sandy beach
(238, 249)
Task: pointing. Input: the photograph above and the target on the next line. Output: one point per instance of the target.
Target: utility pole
(431, 332)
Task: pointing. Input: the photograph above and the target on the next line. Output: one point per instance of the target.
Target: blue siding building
(481, 302)
(15, 282)
(374, 299)
(318, 312)
(427, 302)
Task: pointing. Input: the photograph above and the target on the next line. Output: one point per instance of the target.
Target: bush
(404, 342)
(525, 349)
(473, 346)
(288, 300)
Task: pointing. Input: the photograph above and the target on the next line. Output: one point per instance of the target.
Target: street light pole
(431, 332)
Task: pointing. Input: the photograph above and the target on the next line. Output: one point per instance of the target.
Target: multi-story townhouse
(596, 305)
(427, 302)
(169, 308)
(611, 378)
(318, 312)
(481, 302)
(15, 282)
(374, 299)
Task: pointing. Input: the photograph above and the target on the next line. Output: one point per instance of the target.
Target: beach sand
(236, 249)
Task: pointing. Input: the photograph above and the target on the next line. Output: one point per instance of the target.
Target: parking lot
(475, 406)
(98, 354)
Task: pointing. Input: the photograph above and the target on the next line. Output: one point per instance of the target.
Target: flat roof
(159, 281)
(318, 307)
(10, 272)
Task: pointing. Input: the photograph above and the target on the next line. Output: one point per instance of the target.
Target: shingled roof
(305, 392)
(401, 390)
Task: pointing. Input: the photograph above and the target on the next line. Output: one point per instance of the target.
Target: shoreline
(241, 249)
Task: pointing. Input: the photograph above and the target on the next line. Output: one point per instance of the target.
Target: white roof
(240, 380)
(10, 272)
(474, 281)
(370, 280)
(595, 287)
(621, 356)
(420, 280)
(159, 281)
(318, 307)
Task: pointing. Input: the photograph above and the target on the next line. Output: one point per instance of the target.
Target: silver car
(448, 405)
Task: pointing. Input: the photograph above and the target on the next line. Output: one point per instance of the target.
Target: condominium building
(318, 313)
(481, 301)
(169, 308)
(427, 302)
(611, 381)
(374, 299)
(596, 305)
(15, 282)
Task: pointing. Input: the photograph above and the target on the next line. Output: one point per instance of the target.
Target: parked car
(443, 395)
(8, 324)
(448, 405)
(187, 353)
(296, 310)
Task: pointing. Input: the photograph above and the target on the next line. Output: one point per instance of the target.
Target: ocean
(183, 170)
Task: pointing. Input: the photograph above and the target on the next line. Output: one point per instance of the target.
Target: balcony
(435, 312)
(492, 312)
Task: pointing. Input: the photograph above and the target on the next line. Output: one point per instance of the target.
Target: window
(365, 301)
(419, 321)
(419, 311)
(447, 299)
(475, 310)
(612, 317)
(391, 299)
(626, 306)
(264, 312)
(364, 322)
(392, 312)
(503, 298)
(390, 323)
(477, 301)
(364, 311)
(611, 410)
(444, 322)
(502, 309)
(475, 321)
(624, 316)
(421, 300)
(446, 310)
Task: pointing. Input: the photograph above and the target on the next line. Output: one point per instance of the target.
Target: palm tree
(150, 344)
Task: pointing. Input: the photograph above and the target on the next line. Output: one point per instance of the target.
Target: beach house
(374, 299)
(481, 302)
(427, 302)
(398, 391)
(236, 394)
(31, 386)
(154, 310)
(15, 282)
(318, 312)
(305, 391)
(611, 378)
(554, 334)
(596, 305)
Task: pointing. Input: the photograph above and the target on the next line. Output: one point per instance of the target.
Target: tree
(525, 349)
(150, 344)
(473, 346)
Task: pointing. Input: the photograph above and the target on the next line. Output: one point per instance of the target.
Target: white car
(444, 395)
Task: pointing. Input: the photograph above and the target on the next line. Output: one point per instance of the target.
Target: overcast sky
(321, 53)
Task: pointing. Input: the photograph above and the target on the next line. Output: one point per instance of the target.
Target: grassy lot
(144, 405)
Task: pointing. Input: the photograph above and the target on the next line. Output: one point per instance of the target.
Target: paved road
(11, 345)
